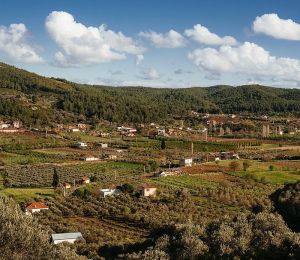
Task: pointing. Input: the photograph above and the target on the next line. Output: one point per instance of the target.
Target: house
(161, 132)
(148, 190)
(81, 126)
(109, 192)
(16, 124)
(169, 172)
(112, 157)
(85, 180)
(103, 145)
(89, 158)
(81, 145)
(66, 237)
(35, 207)
(105, 134)
(127, 130)
(67, 185)
(186, 162)
(4, 125)
(74, 130)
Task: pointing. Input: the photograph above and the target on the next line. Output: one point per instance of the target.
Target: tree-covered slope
(40, 101)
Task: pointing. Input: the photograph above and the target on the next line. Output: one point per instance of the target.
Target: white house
(103, 145)
(81, 145)
(66, 237)
(35, 207)
(148, 190)
(186, 162)
(4, 125)
(85, 180)
(89, 158)
(74, 130)
(161, 132)
(109, 192)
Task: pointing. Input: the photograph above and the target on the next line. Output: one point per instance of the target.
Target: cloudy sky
(169, 43)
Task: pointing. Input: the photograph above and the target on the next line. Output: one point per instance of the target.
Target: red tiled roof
(85, 178)
(37, 205)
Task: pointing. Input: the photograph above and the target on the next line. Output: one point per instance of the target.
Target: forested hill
(39, 100)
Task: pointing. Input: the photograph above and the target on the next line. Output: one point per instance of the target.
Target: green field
(22, 195)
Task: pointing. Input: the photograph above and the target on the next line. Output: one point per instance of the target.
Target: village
(111, 161)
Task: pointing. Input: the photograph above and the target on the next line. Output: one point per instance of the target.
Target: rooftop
(65, 236)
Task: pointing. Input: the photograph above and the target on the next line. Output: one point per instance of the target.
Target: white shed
(66, 237)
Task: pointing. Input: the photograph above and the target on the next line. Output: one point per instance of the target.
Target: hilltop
(40, 100)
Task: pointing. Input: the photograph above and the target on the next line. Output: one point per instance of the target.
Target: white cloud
(248, 59)
(170, 39)
(272, 25)
(201, 34)
(149, 74)
(81, 45)
(13, 43)
(139, 59)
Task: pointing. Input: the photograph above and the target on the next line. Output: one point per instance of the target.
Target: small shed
(66, 237)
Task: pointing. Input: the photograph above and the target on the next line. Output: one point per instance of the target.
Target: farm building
(74, 130)
(169, 172)
(186, 162)
(148, 190)
(109, 192)
(81, 145)
(66, 237)
(35, 207)
(89, 158)
(85, 180)
(103, 145)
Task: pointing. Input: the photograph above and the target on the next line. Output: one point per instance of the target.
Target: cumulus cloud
(149, 74)
(201, 34)
(248, 59)
(139, 59)
(170, 39)
(272, 25)
(81, 45)
(13, 43)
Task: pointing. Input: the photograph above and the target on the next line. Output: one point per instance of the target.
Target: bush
(271, 167)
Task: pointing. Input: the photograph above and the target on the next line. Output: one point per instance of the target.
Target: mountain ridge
(40, 100)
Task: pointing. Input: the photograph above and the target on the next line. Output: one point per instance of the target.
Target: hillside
(39, 100)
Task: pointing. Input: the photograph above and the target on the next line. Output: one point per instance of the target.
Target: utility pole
(115, 175)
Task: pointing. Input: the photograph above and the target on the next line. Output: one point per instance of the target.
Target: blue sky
(155, 43)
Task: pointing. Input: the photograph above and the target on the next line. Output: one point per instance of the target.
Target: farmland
(115, 225)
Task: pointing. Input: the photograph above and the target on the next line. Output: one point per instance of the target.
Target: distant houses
(66, 237)
(148, 190)
(34, 207)
(128, 131)
(109, 192)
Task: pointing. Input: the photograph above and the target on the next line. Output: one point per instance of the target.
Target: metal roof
(64, 236)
